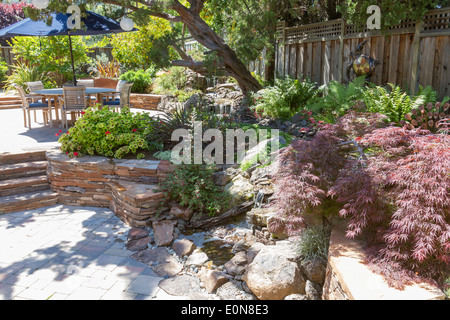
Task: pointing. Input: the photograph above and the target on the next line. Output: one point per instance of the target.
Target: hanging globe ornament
(126, 24)
(40, 4)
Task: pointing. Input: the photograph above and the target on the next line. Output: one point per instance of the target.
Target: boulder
(275, 273)
(253, 251)
(163, 231)
(197, 258)
(221, 178)
(236, 265)
(139, 244)
(258, 216)
(183, 247)
(181, 212)
(240, 189)
(314, 270)
(211, 279)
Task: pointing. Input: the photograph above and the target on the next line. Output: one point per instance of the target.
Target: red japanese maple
(393, 186)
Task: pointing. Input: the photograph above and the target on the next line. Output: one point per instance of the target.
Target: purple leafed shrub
(395, 194)
(11, 13)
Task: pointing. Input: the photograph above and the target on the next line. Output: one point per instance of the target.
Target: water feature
(218, 242)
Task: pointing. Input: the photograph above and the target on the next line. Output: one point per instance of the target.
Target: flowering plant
(101, 131)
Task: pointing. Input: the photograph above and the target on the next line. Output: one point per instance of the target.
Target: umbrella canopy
(92, 23)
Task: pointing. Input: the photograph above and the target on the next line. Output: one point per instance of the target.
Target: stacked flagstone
(125, 186)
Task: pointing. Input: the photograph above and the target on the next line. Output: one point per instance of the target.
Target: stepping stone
(160, 261)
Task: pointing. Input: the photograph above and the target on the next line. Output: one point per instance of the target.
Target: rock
(314, 270)
(296, 296)
(197, 258)
(221, 178)
(183, 247)
(160, 260)
(261, 148)
(313, 290)
(296, 118)
(137, 233)
(258, 216)
(181, 212)
(241, 245)
(212, 279)
(233, 290)
(139, 244)
(253, 251)
(163, 231)
(236, 265)
(184, 285)
(275, 273)
(192, 102)
(240, 189)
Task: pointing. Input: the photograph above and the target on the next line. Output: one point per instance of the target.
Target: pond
(218, 242)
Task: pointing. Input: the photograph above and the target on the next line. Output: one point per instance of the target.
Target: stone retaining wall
(125, 186)
(144, 101)
(348, 278)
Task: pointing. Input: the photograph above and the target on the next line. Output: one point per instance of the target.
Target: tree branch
(149, 5)
(196, 5)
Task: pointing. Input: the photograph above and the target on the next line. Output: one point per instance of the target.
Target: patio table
(58, 92)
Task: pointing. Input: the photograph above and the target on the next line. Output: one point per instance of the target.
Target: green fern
(284, 98)
(391, 101)
(337, 98)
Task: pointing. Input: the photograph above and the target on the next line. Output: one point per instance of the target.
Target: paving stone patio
(68, 252)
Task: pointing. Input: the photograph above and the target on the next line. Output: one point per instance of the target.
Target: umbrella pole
(73, 65)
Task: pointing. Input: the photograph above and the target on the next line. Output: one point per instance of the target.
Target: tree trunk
(204, 35)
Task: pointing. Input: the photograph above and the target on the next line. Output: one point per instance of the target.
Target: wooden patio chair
(32, 87)
(121, 98)
(29, 104)
(74, 100)
(88, 83)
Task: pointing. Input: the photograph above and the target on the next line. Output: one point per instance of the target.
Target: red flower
(134, 130)
(107, 132)
(75, 154)
(358, 139)
(83, 112)
(60, 131)
(56, 134)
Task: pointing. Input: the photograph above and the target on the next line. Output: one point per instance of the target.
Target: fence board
(317, 53)
(444, 86)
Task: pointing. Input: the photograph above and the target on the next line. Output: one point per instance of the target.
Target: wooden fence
(411, 53)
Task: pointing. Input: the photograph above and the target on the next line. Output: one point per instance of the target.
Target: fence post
(415, 59)
(341, 51)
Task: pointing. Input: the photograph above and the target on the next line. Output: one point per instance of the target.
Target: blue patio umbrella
(92, 23)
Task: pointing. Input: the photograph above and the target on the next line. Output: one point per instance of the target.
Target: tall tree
(186, 12)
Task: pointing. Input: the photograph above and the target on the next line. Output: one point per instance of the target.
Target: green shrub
(192, 185)
(314, 243)
(284, 98)
(336, 99)
(394, 102)
(3, 70)
(142, 79)
(23, 73)
(107, 133)
(171, 80)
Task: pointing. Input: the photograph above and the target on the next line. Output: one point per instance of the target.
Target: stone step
(23, 169)
(23, 185)
(10, 106)
(9, 97)
(28, 201)
(8, 158)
